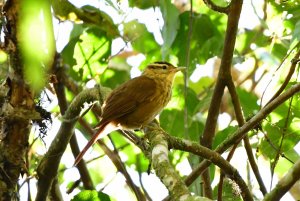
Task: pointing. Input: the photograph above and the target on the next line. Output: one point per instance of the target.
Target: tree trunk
(17, 109)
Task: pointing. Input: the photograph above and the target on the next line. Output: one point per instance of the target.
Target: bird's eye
(164, 67)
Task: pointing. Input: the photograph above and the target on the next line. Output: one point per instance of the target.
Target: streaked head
(162, 69)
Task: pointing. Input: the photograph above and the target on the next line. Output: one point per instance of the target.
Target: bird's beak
(180, 69)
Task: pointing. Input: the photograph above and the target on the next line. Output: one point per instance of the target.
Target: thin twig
(289, 75)
(276, 149)
(186, 72)
(241, 122)
(139, 170)
(115, 158)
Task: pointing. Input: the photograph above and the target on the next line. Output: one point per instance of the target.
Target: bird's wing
(128, 96)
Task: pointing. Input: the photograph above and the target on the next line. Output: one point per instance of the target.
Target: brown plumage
(136, 102)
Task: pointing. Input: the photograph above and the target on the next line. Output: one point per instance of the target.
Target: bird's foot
(153, 125)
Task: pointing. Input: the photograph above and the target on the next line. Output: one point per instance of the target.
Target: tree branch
(215, 7)
(163, 169)
(241, 122)
(285, 183)
(160, 162)
(114, 157)
(242, 131)
(116, 160)
(224, 74)
(215, 158)
(294, 62)
(64, 10)
(48, 166)
(63, 105)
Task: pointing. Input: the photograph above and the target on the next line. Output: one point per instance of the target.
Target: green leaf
(192, 101)
(248, 37)
(223, 134)
(288, 131)
(296, 32)
(91, 53)
(282, 110)
(140, 161)
(279, 50)
(103, 196)
(141, 40)
(203, 84)
(114, 77)
(284, 164)
(248, 102)
(88, 14)
(143, 4)
(195, 130)
(172, 121)
(266, 145)
(91, 195)
(221, 3)
(68, 51)
(36, 42)
(205, 100)
(102, 20)
(171, 24)
(204, 40)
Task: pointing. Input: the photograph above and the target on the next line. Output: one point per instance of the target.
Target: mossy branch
(161, 164)
(47, 168)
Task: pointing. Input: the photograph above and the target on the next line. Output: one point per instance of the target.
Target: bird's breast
(147, 110)
(164, 91)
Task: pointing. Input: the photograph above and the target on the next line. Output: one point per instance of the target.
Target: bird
(135, 103)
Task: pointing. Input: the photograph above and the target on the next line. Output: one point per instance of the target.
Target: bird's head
(162, 69)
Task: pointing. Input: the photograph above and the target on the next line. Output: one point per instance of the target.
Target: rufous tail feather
(90, 143)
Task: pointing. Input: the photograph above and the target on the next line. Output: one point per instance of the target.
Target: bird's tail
(91, 142)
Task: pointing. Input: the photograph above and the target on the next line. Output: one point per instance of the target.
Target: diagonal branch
(116, 160)
(215, 158)
(48, 166)
(63, 105)
(114, 157)
(161, 164)
(241, 122)
(64, 10)
(284, 183)
(295, 61)
(242, 131)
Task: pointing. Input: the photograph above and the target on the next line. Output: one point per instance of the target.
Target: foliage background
(111, 41)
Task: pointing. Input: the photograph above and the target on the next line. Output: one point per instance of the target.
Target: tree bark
(17, 108)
